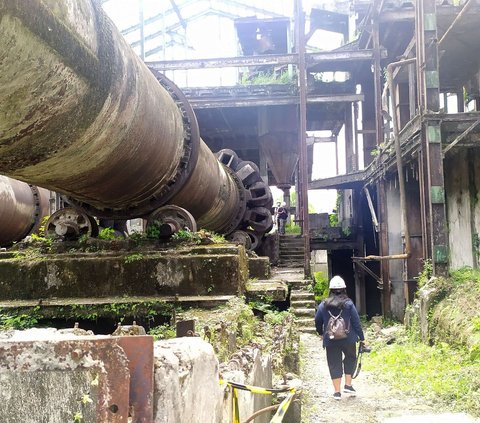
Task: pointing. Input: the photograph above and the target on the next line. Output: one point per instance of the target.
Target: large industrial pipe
(22, 208)
(81, 115)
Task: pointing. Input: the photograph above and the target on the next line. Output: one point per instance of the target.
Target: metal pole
(303, 180)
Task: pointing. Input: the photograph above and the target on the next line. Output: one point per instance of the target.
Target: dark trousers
(281, 226)
(341, 359)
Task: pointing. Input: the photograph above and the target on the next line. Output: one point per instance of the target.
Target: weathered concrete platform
(192, 271)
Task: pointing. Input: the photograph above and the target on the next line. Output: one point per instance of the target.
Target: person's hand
(364, 347)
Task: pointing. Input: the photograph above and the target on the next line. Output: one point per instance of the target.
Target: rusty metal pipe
(401, 182)
(83, 116)
(22, 208)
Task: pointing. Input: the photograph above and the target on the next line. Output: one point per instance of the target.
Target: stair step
(305, 321)
(303, 312)
(288, 264)
(296, 295)
(297, 285)
(307, 329)
(306, 303)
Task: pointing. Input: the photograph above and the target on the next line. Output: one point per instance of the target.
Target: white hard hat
(337, 283)
(284, 204)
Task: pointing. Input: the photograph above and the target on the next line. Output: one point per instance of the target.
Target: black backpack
(337, 328)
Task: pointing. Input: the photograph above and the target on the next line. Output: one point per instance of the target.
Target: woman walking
(341, 353)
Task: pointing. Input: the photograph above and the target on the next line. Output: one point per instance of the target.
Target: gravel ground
(375, 402)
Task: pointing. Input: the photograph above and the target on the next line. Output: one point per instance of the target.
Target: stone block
(259, 267)
(186, 382)
(277, 290)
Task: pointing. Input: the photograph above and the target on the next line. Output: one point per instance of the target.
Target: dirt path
(375, 402)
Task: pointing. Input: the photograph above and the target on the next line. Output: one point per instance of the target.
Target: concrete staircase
(292, 251)
(302, 305)
(302, 300)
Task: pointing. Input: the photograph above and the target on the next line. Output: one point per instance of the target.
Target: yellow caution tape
(236, 412)
(254, 389)
(282, 408)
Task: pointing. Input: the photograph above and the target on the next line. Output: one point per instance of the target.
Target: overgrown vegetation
(108, 234)
(292, 229)
(320, 287)
(266, 78)
(440, 373)
(235, 325)
(162, 332)
(443, 371)
(27, 317)
(16, 321)
(200, 237)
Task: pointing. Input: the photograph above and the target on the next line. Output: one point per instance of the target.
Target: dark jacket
(282, 213)
(349, 313)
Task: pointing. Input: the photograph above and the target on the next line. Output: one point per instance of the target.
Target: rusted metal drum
(83, 116)
(22, 208)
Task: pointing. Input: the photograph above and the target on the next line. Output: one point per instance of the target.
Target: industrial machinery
(81, 114)
(22, 207)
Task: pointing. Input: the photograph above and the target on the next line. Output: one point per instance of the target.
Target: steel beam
(265, 59)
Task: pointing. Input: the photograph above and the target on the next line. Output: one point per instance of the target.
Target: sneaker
(348, 389)
(337, 396)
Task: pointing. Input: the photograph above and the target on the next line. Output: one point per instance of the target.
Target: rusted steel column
(22, 208)
(83, 116)
(429, 98)
(302, 142)
(381, 188)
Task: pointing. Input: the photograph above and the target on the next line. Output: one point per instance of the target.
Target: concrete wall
(320, 261)
(458, 191)
(51, 376)
(395, 246)
(248, 367)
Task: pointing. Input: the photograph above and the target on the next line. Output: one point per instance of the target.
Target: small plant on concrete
(108, 234)
(21, 321)
(426, 273)
(162, 332)
(134, 257)
(153, 230)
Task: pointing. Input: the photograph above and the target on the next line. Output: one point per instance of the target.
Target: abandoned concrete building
(237, 97)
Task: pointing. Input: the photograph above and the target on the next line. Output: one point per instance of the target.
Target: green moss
(24, 317)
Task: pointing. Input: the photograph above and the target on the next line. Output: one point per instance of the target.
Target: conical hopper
(278, 134)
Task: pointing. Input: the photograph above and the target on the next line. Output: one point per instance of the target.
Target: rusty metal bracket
(139, 351)
(369, 271)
